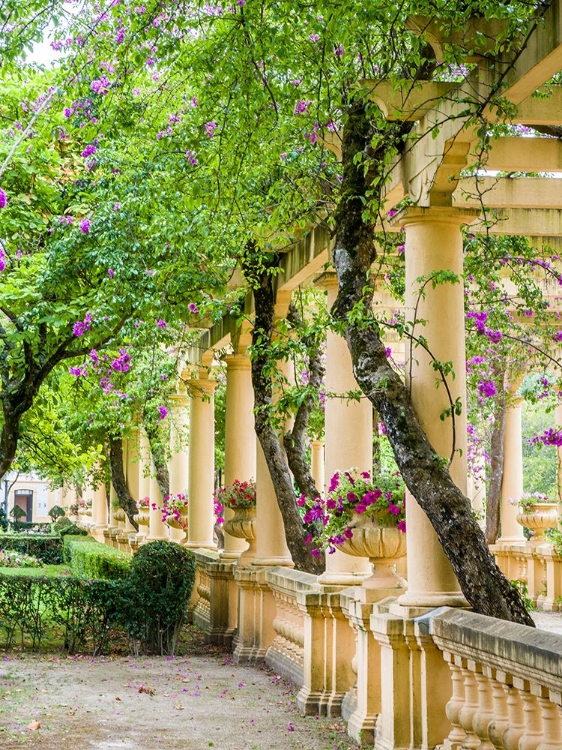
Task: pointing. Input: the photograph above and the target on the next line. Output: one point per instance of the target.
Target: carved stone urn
(243, 526)
(383, 545)
(538, 518)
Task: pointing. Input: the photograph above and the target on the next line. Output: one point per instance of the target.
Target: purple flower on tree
(210, 128)
(487, 388)
(85, 226)
(3, 198)
(163, 412)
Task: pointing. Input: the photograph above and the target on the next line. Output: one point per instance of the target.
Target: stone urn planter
(243, 526)
(383, 545)
(143, 517)
(118, 514)
(538, 518)
(179, 524)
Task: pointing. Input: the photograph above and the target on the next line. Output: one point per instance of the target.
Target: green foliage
(523, 590)
(90, 559)
(56, 512)
(45, 547)
(34, 607)
(555, 537)
(16, 512)
(62, 523)
(158, 590)
(71, 530)
(539, 461)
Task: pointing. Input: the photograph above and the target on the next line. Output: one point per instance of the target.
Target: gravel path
(140, 703)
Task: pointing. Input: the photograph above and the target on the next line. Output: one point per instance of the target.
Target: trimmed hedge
(46, 547)
(148, 605)
(16, 526)
(90, 559)
(83, 613)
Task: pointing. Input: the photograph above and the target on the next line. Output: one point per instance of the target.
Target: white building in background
(31, 493)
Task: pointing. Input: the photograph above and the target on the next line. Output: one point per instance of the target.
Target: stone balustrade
(539, 568)
(506, 683)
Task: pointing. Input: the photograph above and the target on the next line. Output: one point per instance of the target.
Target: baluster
(516, 719)
(454, 705)
(552, 725)
(484, 714)
(500, 721)
(469, 709)
(533, 723)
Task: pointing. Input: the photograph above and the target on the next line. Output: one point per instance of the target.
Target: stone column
(317, 464)
(179, 460)
(131, 463)
(512, 481)
(240, 437)
(99, 508)
(158, 529)
(271, 547)
(349, 436)
(144, 462)
(201, 464)
(434, 243)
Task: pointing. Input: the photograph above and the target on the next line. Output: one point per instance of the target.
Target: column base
(230, 556)
(511, 540)
(342, 578)
(416, 603)
(272, 562)
(200, 545)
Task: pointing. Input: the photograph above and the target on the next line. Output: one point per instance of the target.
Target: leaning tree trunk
(118, 480)
(160, 465)
(293, 440)
(428, 479)
(261, 281)
(493, 496)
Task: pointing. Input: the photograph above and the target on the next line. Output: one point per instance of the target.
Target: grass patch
(49, 571)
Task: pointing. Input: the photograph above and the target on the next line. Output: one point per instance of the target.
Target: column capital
(178, 400)
(237, 362)
(201, 387)
(434, 215)
(326, 280)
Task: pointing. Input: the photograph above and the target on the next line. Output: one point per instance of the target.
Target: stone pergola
(404, 674)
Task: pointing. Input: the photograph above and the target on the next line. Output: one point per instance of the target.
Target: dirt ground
(199, 700)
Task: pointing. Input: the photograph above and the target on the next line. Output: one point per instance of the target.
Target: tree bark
(493, 495)
(160, 465)
(260, 278)
(293, 440)
(428, 479)
(126, 501)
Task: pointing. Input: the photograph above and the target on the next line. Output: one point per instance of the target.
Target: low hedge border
(148, 606)
(46, 547)
(90, 559)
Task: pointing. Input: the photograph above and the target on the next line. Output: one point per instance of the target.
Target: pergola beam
(541, 57)
(504, 192)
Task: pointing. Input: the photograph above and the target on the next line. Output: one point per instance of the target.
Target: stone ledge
(532, 654)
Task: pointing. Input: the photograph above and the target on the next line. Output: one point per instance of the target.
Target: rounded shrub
(62, 523)
(158, 589)
(56, 512)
